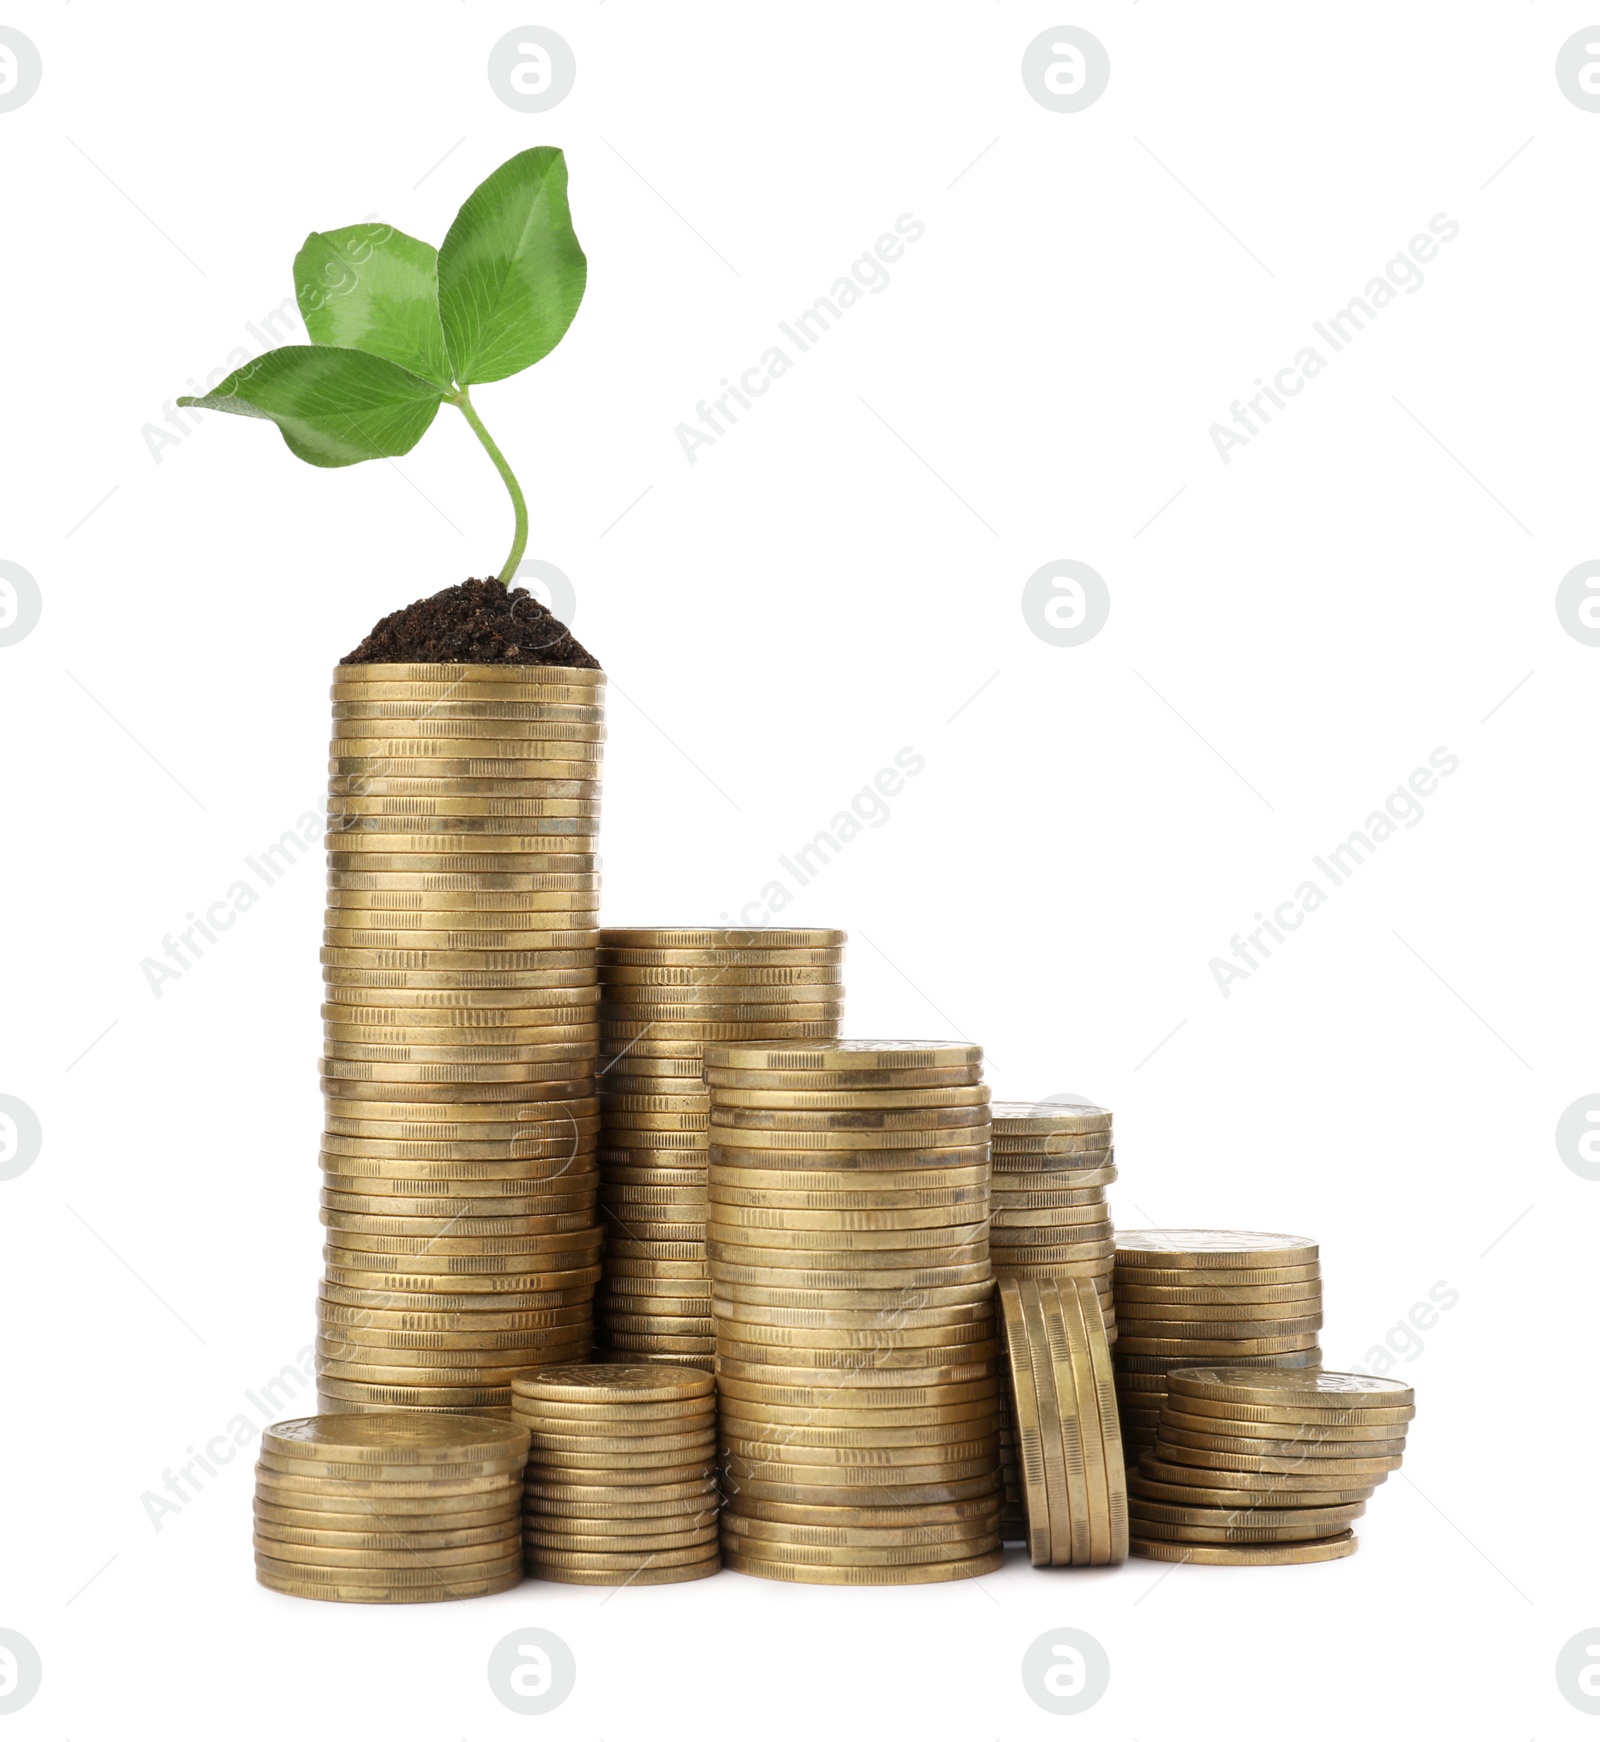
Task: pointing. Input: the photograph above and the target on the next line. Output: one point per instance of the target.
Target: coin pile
(621, 1486)
(857, 1361)
(1259, 1468)
(460, 1032)
(399, 1508)
(668, 992)
(1064, 1406)
(1193, 1296)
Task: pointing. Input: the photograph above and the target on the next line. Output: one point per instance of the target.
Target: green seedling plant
(399, 328)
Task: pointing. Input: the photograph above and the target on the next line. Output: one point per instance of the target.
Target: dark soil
(476, 623)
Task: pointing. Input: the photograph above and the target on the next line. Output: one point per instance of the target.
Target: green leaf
(334, 407)
(511, 273)
(369, 287)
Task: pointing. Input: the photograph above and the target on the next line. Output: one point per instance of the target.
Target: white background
(840, 576)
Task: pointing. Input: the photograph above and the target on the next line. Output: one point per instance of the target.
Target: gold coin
(1309, 1447)
(654, 1575)
(729, 1136)
(699, 961)
(723, 975)
(602, 1541)
(488, 887)
(840, 1422)
(408, 1397)
(776, 1448)
(619, 1489)
(938, 1572)
(841, 1055)
(1042, 1467)
(1322, 1486)
(1274, 1419)
(341, 1319)
(1101, 1450)
(854, 1187)
(602, 1383)
(357, 1470)
(773, 1471)
(869, 1339)
(1168, 1364)
(1331, 1548)
(364, 1531)
(824, 1391)
(1314, 1520)
(1314, 1390)
(1196, 1350)
(858, 1555)
(1274, 1294)
(453, 1294)
(754, 1531)
(347, 1592)
(332, 1566)
(666, 1028)
(1219, 1330)
(1036, 1118)
(972, 1317)
(848, 1113)
(559, 858)
(421, 1514)
(292, 1486)
(392, 1440)
(864, 1299)
(970, 1098)
(721, 937)
(732, 1238)
(490, 1555)
(850, 1083)
(1300, 1463)
(1211, 1248)
(1271, 1501)
(578, 1560)
(587, 712)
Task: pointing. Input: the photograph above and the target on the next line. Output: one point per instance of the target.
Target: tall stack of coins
(1188, 1297)
(621, 1486)
(460, 1031)
(857, 1369)
(389, 1508)
(1064, 1405)
(1259, 1468)
(668, 992)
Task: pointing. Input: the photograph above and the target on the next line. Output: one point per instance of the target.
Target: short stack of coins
(1254, 1467)
(1188, 1297)
(400, 1508)
(1064, 1409)
(668, 992)
(857, 1359)
(621, 1482)
(461, 1032)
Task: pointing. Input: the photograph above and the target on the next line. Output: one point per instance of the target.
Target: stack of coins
(460, 1032)
(1064, 1406)
(1052, 1164)
(1259, 1468)
(857, 1369)
(621, 1485)
(668, 992)
(389, 1508)
(1193, 1296)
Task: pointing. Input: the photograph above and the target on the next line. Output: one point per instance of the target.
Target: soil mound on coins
(476, 623)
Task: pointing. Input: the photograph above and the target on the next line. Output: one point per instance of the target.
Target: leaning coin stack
(667, 993)
(857, 1361)
(1259, 1468)
(1193, 1296)
(622, 1486)
(398, 1508)
(460, 1032)
(1064, 1407)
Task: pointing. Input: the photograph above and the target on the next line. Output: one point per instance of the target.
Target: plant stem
(519, 537)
